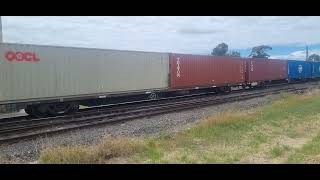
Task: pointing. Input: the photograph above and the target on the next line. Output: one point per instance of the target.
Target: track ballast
(18, 128)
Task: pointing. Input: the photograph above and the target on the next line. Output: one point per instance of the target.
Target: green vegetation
(314, 57)
(285, 131)
(222, 50)
(309, 153)
(278, 151)
(260, 51)
(108, 148)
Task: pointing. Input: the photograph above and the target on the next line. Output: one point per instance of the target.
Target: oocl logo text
(21, 56)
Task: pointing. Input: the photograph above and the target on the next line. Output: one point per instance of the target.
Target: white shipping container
(29, 72)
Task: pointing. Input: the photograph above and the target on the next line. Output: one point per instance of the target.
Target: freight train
(51, 80)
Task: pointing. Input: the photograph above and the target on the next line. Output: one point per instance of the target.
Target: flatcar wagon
(56, 80)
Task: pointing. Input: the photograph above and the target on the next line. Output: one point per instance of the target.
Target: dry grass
(6, 160)
(118, 147)
(100, 153)
(275, 133)
(72, 155)
(223, 118)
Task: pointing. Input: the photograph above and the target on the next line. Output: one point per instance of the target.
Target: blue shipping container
(299, 69)
(315, 69)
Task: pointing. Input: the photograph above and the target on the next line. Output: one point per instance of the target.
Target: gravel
(28, 150)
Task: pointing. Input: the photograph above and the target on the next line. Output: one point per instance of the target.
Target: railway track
(125, 105)
(17, 129)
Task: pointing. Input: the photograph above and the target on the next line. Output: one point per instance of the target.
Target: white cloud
(174, 34)
(297, 55)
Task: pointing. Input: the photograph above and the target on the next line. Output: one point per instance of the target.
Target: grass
(278, 151)
(6, 160)
(276, 133)
(309, 153)
(107, 149)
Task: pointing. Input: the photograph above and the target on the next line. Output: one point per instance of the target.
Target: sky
(287, 35)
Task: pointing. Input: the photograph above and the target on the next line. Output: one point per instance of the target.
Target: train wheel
(62, 108)
(225, 89)
(28, 110)
(75, 108)
(228, 89)
(36, 111)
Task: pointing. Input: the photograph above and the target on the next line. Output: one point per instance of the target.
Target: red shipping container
(189, 71)
(266, 70)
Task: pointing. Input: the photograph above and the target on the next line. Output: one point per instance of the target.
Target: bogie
(54, 109)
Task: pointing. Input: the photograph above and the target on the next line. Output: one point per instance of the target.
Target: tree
(314, 57)
(234, 53)
(260, 51)
(220, 50)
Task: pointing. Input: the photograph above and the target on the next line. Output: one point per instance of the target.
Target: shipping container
(315, 69)
(191, 71)
(260, 70)
(39, 72)
(299, 69)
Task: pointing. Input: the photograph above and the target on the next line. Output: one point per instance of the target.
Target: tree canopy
(234, 53)
(222, 50)
(314, 57)
(260, 51)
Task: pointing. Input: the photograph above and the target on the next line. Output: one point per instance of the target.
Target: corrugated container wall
(202, 71)
(315, 69)
(259, 70)
(299, 69)
(63, 71)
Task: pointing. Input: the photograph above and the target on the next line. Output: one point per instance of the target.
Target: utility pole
(1, 40)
